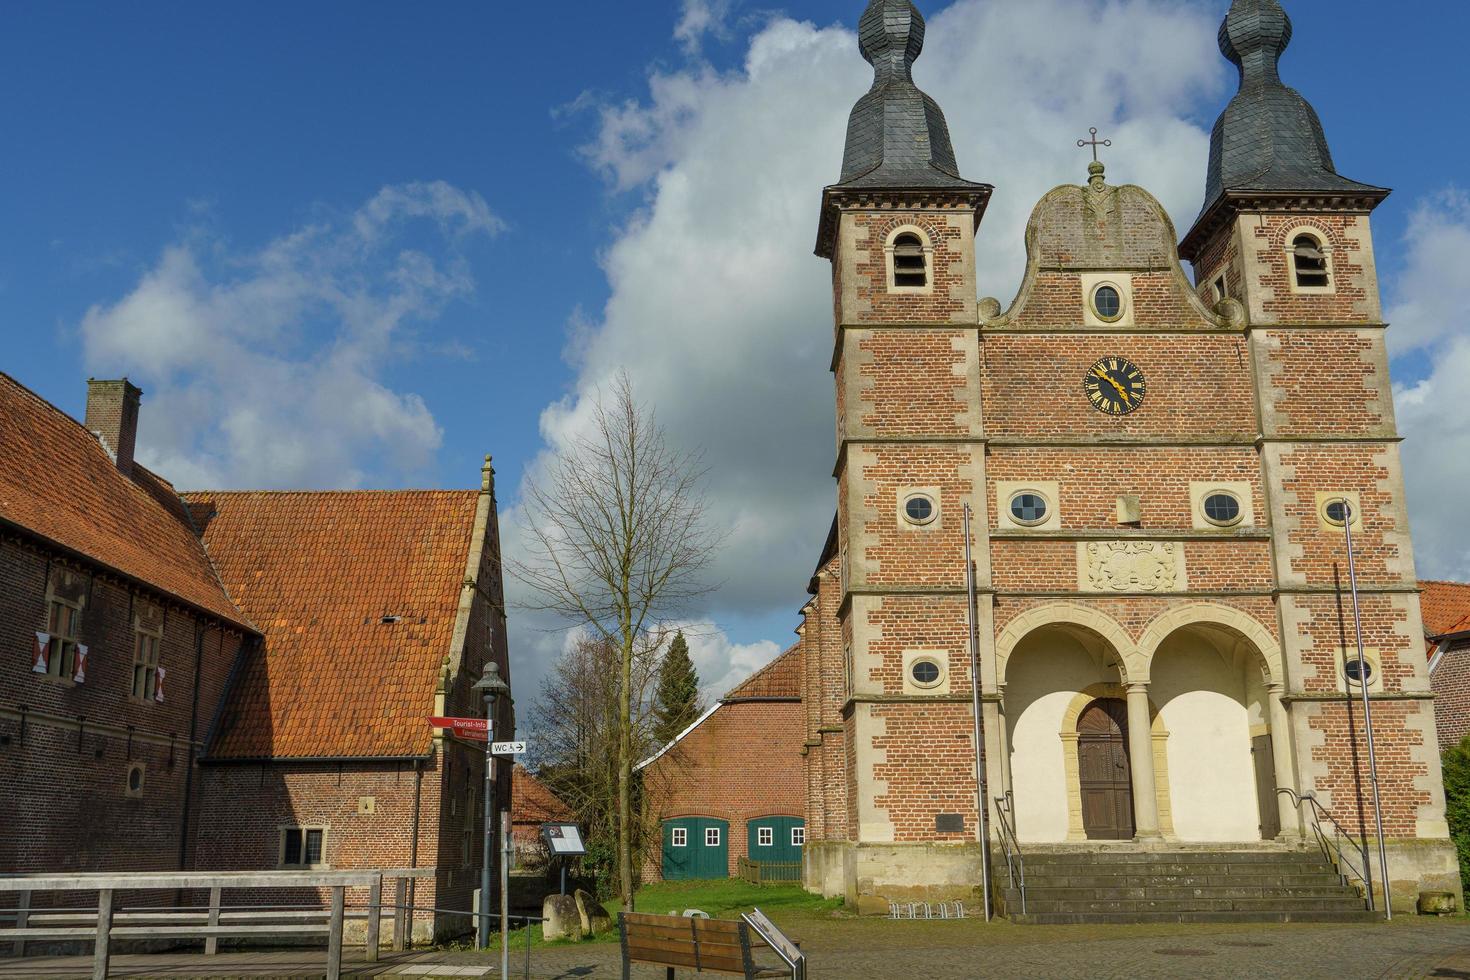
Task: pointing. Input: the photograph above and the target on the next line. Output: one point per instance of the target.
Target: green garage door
(776, 838)
(696, 847)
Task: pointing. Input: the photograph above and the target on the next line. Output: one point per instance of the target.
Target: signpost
(470, 729)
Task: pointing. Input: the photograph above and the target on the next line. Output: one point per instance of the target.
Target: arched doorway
(1103, 770)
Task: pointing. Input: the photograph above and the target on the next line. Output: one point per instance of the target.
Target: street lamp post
(491, 688)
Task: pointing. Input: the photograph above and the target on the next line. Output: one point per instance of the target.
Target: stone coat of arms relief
(1132, 566)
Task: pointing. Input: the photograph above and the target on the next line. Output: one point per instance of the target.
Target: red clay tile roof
(532, 802)
(1445, 607)
(781, 678)
(58, 483)
(318, 572)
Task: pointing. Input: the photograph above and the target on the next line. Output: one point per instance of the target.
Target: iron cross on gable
(1094, 143)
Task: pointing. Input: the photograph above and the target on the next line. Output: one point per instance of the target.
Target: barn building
(730, 786)
(235, 681)
(1159, 465)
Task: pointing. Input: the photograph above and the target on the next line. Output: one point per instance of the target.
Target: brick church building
(1157, 463)
(235, 681)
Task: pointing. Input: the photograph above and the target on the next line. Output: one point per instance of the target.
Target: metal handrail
(1332, 848)
(1010, 844)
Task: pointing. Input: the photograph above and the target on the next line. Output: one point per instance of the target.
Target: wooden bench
(699, 945)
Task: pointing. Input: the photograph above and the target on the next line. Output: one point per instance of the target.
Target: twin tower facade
(1158, 470)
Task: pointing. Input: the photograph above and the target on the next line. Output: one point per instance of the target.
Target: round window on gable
(920, 509)
(926, 672)
(1222, 509)
(1029, 508)
(1107, 302)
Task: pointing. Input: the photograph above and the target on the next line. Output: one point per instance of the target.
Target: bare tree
(617, 542)
(575, 717)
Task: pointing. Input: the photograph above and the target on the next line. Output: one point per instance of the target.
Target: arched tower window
(1310, 264)
(909, 256)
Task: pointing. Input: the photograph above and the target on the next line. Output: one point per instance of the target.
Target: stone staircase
(1129, 886)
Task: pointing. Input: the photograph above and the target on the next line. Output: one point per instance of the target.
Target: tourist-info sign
(474, 729)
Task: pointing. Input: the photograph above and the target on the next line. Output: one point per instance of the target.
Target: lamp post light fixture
(491, 688)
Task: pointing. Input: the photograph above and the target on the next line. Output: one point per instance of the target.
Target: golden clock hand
(1109, 379)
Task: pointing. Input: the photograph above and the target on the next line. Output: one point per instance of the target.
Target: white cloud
(265, 369)
(701, 17)
(721, 313)
(1430, 320)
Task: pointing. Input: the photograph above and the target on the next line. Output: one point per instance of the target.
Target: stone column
(1291, 815)
(1141, 758)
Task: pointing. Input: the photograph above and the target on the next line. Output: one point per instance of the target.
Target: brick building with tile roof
(1446, 610)
(533, 805)
(732, 784)
(235, 680)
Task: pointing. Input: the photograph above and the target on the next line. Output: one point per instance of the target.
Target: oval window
(1028, 508)
(925, 673)
(919, 509)
(1107, 302)
(1337, 512)
(1358, 671)
(1222, 509)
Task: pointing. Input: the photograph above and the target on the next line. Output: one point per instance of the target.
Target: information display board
(563, 839)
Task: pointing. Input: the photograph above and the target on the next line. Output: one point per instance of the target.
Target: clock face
(1115, 386)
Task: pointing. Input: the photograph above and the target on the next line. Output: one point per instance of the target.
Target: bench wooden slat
(202, 932)
(703, 945)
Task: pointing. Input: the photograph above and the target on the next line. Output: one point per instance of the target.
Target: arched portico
(1202, 687)
(1215, 674)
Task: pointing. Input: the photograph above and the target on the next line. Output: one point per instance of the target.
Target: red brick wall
(1451, 679)
(744, 761)
(65, 805)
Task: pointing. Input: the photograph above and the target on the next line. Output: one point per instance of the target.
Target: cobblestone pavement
(851, 948)
(960, 951)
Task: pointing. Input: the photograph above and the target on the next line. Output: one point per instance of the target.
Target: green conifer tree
(678, 693)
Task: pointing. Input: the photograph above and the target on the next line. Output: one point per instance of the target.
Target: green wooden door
(696, 847)
(772, 839)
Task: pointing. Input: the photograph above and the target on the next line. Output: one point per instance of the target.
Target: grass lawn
(722, 899)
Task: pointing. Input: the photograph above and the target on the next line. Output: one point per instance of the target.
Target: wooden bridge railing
(104, 922)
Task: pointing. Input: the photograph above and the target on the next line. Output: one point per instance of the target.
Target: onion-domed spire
(1269, 139)
(896, 136)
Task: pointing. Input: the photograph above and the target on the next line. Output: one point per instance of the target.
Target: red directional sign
(473, 729)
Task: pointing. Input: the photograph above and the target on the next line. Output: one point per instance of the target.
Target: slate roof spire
(1269, 139)
(896, 135)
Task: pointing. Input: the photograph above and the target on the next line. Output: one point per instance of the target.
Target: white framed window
(1309, 255)
(910, 260)
(679, 837)
(798, 836)
(712, 837)
(303, 847)
(64, 624)
(147, 645)
(765, 837)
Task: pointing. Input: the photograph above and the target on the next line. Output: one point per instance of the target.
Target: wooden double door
(1104, 771)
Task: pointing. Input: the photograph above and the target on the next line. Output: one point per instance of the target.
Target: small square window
(766, 837)
(680, 837)
(798, 836)
(302, 847)
(712, 837)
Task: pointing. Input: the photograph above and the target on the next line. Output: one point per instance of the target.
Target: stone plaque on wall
(1131, 566)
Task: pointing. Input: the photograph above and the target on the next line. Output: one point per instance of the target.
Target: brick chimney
(112, 416)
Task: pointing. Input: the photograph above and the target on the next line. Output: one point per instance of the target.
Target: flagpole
(1363, 677)
(982, 828)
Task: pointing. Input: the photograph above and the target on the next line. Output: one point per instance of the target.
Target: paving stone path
(916, 951)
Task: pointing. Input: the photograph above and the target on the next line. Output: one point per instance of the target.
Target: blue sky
(361, 244)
